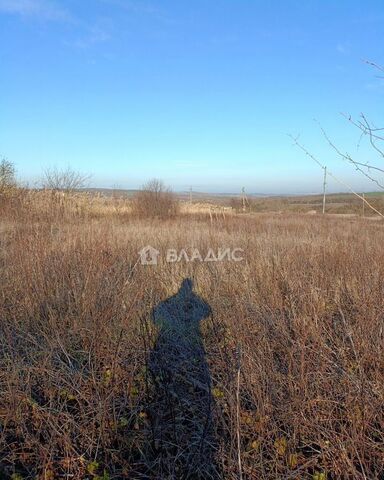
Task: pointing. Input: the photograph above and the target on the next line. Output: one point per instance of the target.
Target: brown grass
(335, 204)
(305, 309)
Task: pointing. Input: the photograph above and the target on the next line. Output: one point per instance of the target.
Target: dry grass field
(293, 345)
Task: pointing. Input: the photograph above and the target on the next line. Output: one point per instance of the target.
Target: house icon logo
(149, 255)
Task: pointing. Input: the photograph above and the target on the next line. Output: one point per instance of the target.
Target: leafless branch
(66, 180)
(309, 154)
(312, 157)
(375, 65)
(351, 160)
(7, 174)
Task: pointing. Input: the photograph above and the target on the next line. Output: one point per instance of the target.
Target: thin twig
(311, 156)
(349, 159)
(238, 433)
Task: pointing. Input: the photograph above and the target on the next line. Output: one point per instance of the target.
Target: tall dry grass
(301, 319)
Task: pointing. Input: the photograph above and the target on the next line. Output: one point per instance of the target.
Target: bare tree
(66, 180)
(312, 157)
(7, 174)
(155, 200)
(375, 136)
(366, 169)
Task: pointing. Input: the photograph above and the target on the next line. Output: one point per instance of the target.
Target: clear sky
(195, 92)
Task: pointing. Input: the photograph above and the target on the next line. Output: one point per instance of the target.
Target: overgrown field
(294, 345)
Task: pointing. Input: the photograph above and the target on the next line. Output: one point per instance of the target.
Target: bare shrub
(238, 205)
(235, 204)
(9, 193)
(66, 180)
(304, 310)
(7, 175)
(155, 200)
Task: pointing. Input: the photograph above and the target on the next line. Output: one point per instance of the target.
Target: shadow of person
(181, 410)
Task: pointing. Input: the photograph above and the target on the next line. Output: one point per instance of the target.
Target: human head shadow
(183, 443)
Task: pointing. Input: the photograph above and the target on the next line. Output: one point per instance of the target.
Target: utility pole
(363, 205)
(324, 188)
(243, 198)
(190, 195)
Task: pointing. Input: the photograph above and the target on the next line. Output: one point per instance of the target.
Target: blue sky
(196, 92)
